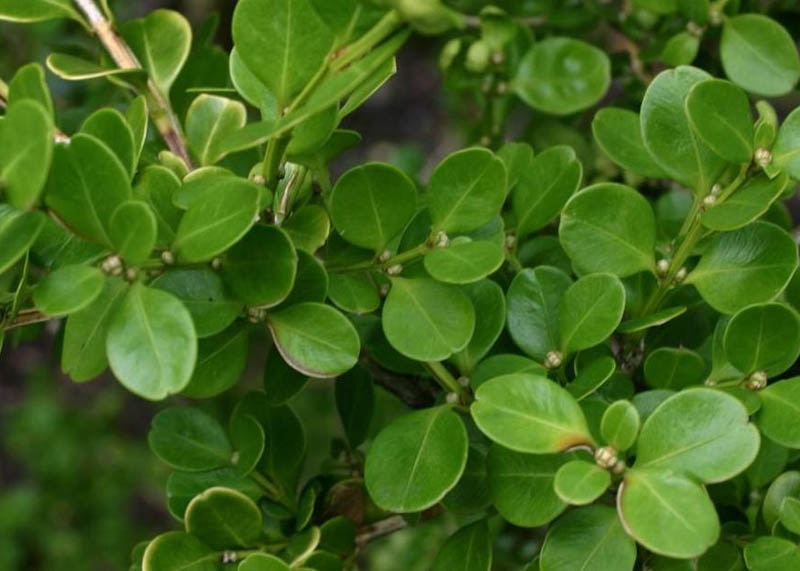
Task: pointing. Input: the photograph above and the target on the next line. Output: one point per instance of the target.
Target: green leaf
(315, 339)
(490, 318)
(188, 439)
(619, 134)
(790, 514)
(87, 184)
(182, 487)
(133, 231)
(667, 513)
(83, 355)
(529, 413)
(466, 190)
(504, 364)
(281, 382)
(426, 320)
(151, 343)
(521, 486)
(18, 232)
(136, 115)
(518, 158)
(759, 55)
(308, 227)
(263, 562)
(609, 227)
(111, 128)
(590, 311)
(221, 362)
(416, 460)
(27, 11)
(787, 485)
(772, 554)
(674, 368)
(579, 482)
(371, 204)
(763, 338)
(311, 282)
(355, 401)
(179, 550)
(216, 219)
(464, 262)
(701, 432)
(777, 418)
(161, 41)
(468, 549)
(223, 518)
(588, 538)
(209, 121)
(620, 424)
(354, 293)
(786, 150)
(544, 187)
(26, 150)
(680, 49)
(157, 185)
(744, 267)
(29, 83)
(534, 298)
(203, 294)
(592, 376)
(668, 134)
(68, 290)
(747, 204)
(471, 494)
(719, 112)
(262, 267)
(653, 320)
(283, 42)
(561, 76)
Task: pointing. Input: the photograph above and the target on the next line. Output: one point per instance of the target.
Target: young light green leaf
(579, 482)
(283, 42)
(746, 204)
(26, 140)
(759, 55)
(263, 562)
(161, 41)
(544, 187)
(680, 49)
(371, 204)
(790, 514)
(588, 538)
(136, 115)
(668, 513)
(619, 134)
(609, 227)
(464, 262)
(772, 554)
(416, 460)
(133, 231)
(674, 368)
(224, 518)
(620, 424)
(209, 121)
(529, 413)
(534, 298)
(466, 190)
(188, 439)
(561, 76)
(590, 311)
(151, 343)
(668, 134)
(73, 68)
(778, 413)
(111, 128)
(746, 266)
(468, 549)
(29, 83)
(701, 432)
(308, 227)
(719, 112)
(426, 320)
(68, 290)
(262, 267)
(179, 550)
(763, 337)
(315, 339)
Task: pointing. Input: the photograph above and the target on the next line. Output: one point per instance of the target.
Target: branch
(416, 392)
(157, 102)
(25, 317)
(379, 529)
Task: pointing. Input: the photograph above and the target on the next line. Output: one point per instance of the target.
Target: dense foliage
(592, 335)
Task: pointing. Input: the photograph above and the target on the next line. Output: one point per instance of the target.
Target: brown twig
(26, 317)
(414, 391)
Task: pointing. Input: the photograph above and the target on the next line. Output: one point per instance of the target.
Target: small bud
(498, 58)
(259, 179)
(383, 291)
(680, 276)
(463, 381)
(384, 257)
(511, 241)
(478, 57)
(235, 458)
(229, 557)
(131, 274)
(756, 381)
(112, 266)
(442, 240)
(255, 314)
(485, 141)
(553, 360)
(394, 270)
(216, 264)
(710, 383)
(662, 267)
(715, 17)
(694, 30)
(168, 258)
(606, 457)
(709, 200)
(715, 190)
(763, 157)
(452, 398)
(502, 88)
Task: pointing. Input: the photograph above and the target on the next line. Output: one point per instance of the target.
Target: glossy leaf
(29, 82)
(27, 11)
(674, 368)
(68, 290)
(591, 377)
(620, 424)
(701, 432)
(777, 418)
(308, 227)
(464, 262)
(209, 121)
(579, 482)
(416, 460)
(619, 134)
(111, 128)
(772, 554)
(189, 439)
(355, 293)
(763, 338)
(18, 232)
(466, 190)
(315, 339)
(133, 231)
(744, 267)
(263, 562)
(490, 318)
(609, 227)
(179, 550)
(590, 311)
(426, 320)
(223, 518)
(719, 112)
(281, 382)
(529, 413)
(786, 150)
(151, 343)
(544, 187)
(221, 362)
(372, 204)
(562, 76)
(468, 549)
(759, 55)
(26, 140)
(746, 204)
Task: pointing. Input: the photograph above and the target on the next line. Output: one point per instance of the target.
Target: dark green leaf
(674, 368)
(189, 439)
(221, 362)
(355, 401)
(209, 121)
(224, 518)
(179, 550)
(469, 549)
(763, 338)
